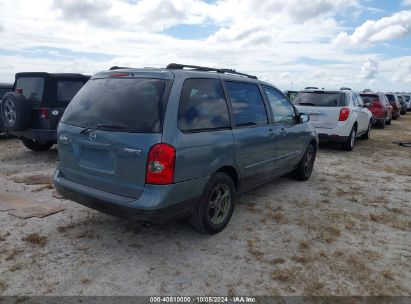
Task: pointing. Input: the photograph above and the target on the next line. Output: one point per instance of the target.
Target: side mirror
(304, 118)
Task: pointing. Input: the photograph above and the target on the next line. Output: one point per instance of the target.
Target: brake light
(44, 113)
(18, 90)
(160, 165)
(344, 114)
(119, 75)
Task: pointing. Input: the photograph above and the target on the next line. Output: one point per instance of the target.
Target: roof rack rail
(311, 88)
(118, 68)
(177, 66)
(345, 89)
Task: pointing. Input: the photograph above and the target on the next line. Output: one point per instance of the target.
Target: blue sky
(328, 43)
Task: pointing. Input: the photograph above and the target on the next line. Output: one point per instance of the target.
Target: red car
(379, 106)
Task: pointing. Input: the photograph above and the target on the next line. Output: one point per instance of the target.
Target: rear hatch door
(323, 107)
(108, 130)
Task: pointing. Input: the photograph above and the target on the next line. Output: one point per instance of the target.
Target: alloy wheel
(219, 204)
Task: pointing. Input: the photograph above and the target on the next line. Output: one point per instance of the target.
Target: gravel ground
(344, 232)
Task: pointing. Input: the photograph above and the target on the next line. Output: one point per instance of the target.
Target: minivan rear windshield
(319, 99)
(135, 104)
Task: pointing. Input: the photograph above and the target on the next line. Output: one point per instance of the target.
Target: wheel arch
(233, 173)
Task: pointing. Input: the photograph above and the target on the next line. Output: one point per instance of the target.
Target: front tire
(216, 205)
(37, 146)
(382, 124)
(305, 167)
(349, 144)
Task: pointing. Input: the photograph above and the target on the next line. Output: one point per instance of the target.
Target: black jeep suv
(34, 108)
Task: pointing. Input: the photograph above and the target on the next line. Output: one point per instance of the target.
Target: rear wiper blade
(104, 126)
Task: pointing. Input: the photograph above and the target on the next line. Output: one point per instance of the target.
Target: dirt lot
(345, 232)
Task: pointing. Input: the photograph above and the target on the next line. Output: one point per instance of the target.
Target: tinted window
(390, 97)
(202, 106)
(319, 99)
(248, 105)
(66, 89)
(3, 92)
(367, 98)
(32, 87)
(130, 103)
(283, 111)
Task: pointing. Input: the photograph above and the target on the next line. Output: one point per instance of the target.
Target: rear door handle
(271, 133)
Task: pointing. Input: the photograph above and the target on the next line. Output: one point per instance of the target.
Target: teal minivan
(180, 142)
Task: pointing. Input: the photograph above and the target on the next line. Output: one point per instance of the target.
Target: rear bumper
(152, 205)
(36, 134)
(332, 138)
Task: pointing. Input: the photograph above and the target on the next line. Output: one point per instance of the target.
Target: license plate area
(101, 160)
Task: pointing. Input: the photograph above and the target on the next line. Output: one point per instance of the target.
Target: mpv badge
(93, 136)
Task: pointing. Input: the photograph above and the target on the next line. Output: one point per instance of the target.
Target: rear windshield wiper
(306, 104)
(108, 127)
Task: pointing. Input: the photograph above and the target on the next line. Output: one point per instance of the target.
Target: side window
(283, 111)
(355, 100)
(360, 101)
(202, 106)
(66, 90)
(248, 105)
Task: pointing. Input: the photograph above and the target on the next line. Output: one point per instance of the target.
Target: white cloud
(372, 31)
(406, 2)
(369, 70)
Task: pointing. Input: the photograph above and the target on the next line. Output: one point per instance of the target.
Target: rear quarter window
(202, 106)
(32, 87)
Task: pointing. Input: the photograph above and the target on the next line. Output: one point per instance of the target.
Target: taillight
(44, 113)
(160, 165)
(344, 114)
(18, 90)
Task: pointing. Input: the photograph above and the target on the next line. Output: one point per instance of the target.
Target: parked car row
(342, 116)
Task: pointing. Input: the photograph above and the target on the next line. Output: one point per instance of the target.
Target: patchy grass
(277, 261)
(304, 245)
(85, 281)
(283, 275)
(13, 254)
(36, 239)
(3, 286)
(388, 275)
(16, 267)
(315, 288)
(65, 228)
(300, 259)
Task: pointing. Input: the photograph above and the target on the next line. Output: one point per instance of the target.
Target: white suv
(338, 116)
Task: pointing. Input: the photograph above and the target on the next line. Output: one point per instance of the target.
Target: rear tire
(216, 205)
(37, 146)
(382, 124)
(368, 134)
(15, 112)
(349, 144)
(390, 120)
(305, 167)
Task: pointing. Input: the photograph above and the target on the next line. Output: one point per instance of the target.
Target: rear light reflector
(344, 114)
(44, 113)
(160, 165)
(18, 90)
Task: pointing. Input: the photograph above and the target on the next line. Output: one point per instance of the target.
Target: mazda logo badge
(93, 136)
